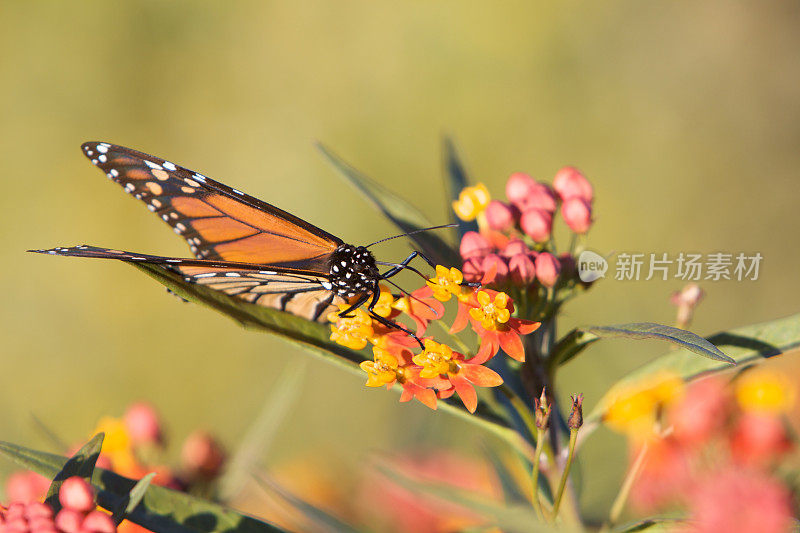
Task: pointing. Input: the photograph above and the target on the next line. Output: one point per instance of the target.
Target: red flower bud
(759, 439)
(202, 456)
(577, 213)
(76, 494)
(576, 416)
(570, 183)
(514, 247)
(143, 424)
(548, 269)
(473, 244)
(539, 197)
(522, 269)
(472, 269)
(518, 187)
(500, 216)
(537, 224)
(99, 522)
(26, 486)
(38, 510)
(69, 520)
(494, 268)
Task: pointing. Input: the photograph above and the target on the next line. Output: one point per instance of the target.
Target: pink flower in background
(548, 269)
(702, 412)
(570, 183)
(500, 216)
(537, 224)
(577, 213)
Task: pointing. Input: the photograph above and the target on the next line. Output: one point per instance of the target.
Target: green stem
(573, 437)
(537, 505)
(521, 409)
(461, 345)
(624, 491)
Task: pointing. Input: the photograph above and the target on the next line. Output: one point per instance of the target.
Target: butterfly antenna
(412, 233)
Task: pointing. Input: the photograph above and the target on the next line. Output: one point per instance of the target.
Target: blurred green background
(686, 117)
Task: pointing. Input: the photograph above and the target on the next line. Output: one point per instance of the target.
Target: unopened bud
(570, 183)
(537, 224)
(473, 244)
(500, 216)
(542, 409)
(495, 269)
(548, 268)
(575, 420)
(76, 494)
(143, 424)
(577, 213)
(687, 300)
(202, 456)
(522, 268)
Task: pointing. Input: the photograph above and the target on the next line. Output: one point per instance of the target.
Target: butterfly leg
(361, 301)
(404, 265)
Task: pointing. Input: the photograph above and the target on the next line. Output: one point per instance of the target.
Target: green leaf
(134, 498)
(323, 520)
(648, 330)
(163, 510)
(651, 525)
(255, 444)
(746, 345)
(512, 492)
(81, 464)
(455, 179)
(404, 215)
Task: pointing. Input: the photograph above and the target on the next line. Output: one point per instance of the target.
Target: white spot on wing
(169, 166)
(152, 165)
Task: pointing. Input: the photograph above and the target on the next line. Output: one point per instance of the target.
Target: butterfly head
(353, 270)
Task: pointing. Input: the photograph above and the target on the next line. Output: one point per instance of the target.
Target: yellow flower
(635, 407)
(383, 307)
(446, 283)
(471, 202)
(764, 391)
(382, 370)
(353, 332)
(491, 313)
(117, 445)
(435, 360)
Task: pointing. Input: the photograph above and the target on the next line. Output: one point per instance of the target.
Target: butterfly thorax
(353, 271)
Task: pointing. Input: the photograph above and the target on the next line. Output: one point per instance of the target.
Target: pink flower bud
(577, 213)
(472, 269)
(570, 183)
(537, 224)
(143, 424)
(518, 187)
(473, 244)
(759, 439)
(41, 524)
(500, 216)
(76, 494)
(539, 197)
(26, 486)
(547, 269)
(494, 268)
(522, 268)
(15, 510)
(514, 247)
(38, 510)
(99, 522)
(69, 520)
(202, 456)
(15, 525)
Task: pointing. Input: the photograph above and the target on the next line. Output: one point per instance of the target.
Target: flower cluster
(514, 244)
(79, 513)
(437, 371)
(134, 446)
(714, 451)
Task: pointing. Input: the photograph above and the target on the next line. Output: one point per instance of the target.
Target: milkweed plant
(708, 441)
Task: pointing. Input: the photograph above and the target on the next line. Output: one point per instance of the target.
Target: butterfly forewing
(218, 222)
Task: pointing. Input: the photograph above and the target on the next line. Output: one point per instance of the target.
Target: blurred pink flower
(577, 213)
(537, 224)
(759, 439)
(739, 500)
(473, 244)
(702, 412)
(570, 183)
(500, 216)
(548, 269)
(143, 424)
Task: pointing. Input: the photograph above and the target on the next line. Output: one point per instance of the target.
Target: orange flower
(447, 283)
(492, 321)
(382, 370)
(421, 307)
(440, 360)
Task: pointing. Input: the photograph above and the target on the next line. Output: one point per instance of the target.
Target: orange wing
(218, 222)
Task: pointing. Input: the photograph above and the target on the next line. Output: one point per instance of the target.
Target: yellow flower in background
(635, 408)
(117, 445)
(764, 391)
(471, 202)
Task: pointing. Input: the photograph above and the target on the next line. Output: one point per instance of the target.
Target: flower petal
(512, 345)
(466, 392)
(480, 375)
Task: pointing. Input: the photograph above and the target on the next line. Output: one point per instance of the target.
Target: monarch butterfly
(244, 247)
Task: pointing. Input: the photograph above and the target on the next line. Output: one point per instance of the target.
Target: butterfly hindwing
(304, 294)
(217, 221)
